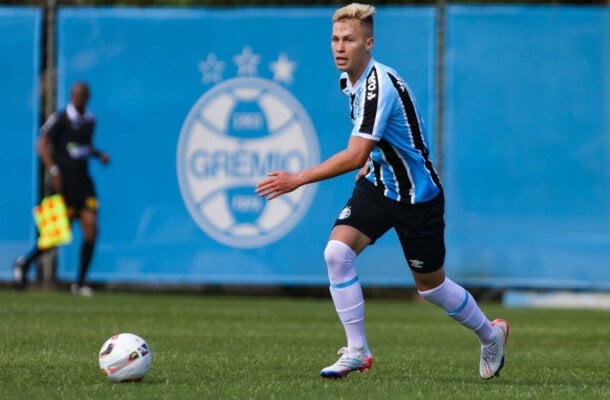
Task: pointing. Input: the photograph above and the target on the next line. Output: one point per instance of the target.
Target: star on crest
(246, 62)
(211, 69)
(283, 69)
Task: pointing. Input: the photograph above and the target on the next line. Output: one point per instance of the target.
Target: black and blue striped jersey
(383, 109)
(71, 135)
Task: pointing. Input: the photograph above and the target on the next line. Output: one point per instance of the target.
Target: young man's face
(351, 44)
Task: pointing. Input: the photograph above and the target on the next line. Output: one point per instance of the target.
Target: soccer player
(396, 187)
(64, 146)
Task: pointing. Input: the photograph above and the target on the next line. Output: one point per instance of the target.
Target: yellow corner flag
(52, 221)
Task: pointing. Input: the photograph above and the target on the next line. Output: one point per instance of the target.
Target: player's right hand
(57, 183)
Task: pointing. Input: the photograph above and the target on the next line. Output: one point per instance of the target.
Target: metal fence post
(47, 262)
(440, 53)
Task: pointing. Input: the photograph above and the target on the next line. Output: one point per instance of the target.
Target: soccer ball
(125, 358)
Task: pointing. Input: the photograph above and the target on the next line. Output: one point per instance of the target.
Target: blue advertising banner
(527, 155)
(19, 120)
(195, 106)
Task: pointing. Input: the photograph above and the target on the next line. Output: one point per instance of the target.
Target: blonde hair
(361, 12)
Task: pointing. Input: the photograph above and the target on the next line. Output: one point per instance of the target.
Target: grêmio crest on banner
(236, 132)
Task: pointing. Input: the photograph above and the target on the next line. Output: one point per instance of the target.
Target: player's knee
(339, 259)
(337, 253)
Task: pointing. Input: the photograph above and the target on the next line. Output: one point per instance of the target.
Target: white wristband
(54, 170)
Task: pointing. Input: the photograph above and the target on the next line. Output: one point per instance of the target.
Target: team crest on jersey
(235, 133)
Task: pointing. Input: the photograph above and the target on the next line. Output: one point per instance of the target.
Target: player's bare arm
(100, 155)
(42, 147)
(364, 170)
(352, 158)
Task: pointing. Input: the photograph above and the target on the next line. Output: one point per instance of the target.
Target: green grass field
(240, 347)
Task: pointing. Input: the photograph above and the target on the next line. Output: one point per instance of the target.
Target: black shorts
(420, 227)
(79, 194)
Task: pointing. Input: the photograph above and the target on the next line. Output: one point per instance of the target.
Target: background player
(64, 146)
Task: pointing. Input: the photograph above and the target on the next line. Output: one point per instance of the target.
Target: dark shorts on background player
(79, 194)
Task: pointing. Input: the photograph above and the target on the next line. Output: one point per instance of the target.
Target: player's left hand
(104, 158)
(363, 171)
(277, 183)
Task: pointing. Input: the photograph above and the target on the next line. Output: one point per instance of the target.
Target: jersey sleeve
(50, 126)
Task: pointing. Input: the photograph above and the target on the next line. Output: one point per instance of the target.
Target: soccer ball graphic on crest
(125, 358)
